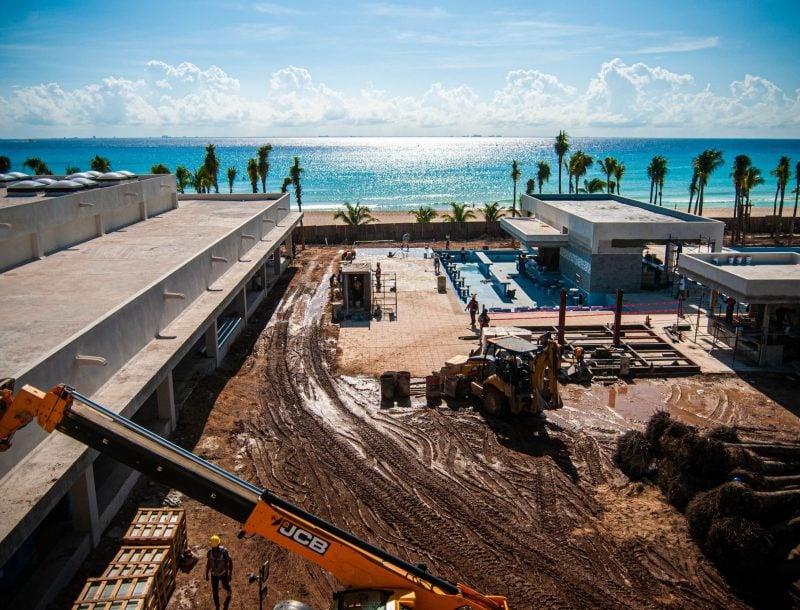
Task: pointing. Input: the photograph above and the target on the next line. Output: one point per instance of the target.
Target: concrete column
(83, 499)
(165, 399)
(263, 272)
(276, 261)
(713, 303)
(668, 261)
(212, 350)
(240, 302)
(289, 249)
(143, 210)
(762, 350)
(99, 229)
(36, 246)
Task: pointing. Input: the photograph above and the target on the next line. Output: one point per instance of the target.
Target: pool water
(533, 291)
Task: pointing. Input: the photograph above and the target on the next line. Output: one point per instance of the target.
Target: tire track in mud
(414, 483)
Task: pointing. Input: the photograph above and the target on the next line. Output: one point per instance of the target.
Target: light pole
(261, 579)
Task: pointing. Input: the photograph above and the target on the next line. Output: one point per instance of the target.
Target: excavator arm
(355, 563)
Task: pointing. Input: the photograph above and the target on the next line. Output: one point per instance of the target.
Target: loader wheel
(494, 403)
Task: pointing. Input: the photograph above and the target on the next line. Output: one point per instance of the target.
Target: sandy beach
(325, 218)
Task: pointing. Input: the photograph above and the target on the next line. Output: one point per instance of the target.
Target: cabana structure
(763, 326)
(601, 241)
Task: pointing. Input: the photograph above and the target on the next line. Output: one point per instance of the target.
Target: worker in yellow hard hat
(219, 566)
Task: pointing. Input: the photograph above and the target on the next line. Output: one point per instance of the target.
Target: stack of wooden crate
(142, 574)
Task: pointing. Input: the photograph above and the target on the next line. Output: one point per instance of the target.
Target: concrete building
(761, 321)
(599, 242)
(123, 292)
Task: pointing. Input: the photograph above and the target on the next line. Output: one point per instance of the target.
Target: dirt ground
(529, 509)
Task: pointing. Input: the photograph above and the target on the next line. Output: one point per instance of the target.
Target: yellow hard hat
(214, 540)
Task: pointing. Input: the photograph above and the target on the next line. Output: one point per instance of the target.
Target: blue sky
(675, 68)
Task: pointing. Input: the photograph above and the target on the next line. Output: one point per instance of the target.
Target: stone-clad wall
(611, 272)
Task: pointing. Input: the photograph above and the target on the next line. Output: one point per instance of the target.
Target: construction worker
(219, 566)
(472, 308)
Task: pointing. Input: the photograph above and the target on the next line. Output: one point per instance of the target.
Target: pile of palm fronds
(741, 500)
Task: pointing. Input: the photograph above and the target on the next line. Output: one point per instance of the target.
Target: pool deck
(432, 327)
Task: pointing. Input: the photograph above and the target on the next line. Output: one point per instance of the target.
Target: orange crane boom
(361, 568)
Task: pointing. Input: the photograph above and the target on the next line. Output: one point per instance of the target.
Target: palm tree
(656, 172)
(492, 212)
(595, 185)
(252, 173)
(200, 180)
(619, 172)
(100, 164)
(515, 176)
(704, 165)
(661, 170)
(692, 191)
(295, 171)
(424, 214)
(542, 173)
(263, 164)
(211, 163)
(579, 164)
(608, 166)
(740, 166)
(37, 166)
(231, 177)
(530, 187)
(460, 213)
(796, 194)
(783, 173)
(354, 215)
(70, 169)
(182, 178)
(561, 147)
(159, 169)
(286, 182)
(5, 164)
(752, 178)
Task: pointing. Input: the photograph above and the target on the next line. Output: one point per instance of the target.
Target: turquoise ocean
(404, 173)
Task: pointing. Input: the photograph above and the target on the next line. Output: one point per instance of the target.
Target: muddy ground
(532, 510)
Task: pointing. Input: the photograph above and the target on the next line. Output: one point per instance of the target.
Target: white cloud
(275, 9)
(385, 9)
(621, 98)
(682, 46)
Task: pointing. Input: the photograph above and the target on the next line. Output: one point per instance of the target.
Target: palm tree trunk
(774, 210)
(514, 201)
(698, 206)
(559, 177)
(779, 219)
(608, 182)
(652, 186)
(794, 213)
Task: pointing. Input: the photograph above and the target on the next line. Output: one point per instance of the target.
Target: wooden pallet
(155, 561)
(135, 589)
(117, 604)
(157, 527)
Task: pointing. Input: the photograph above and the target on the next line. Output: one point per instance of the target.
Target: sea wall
(475, 229)
(380, 231)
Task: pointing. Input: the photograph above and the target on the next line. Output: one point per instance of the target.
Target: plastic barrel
(403, 384)
(387, 385)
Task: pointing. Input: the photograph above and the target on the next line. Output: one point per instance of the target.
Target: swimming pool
(494, 276)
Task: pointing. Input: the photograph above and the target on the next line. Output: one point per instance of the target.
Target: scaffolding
(384, 294)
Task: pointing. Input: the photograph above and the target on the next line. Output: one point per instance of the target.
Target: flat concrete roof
(771, 277)
(611, 211)
(45, 303)
(534, 232)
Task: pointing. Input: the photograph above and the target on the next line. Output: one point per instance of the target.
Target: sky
(683, 68)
